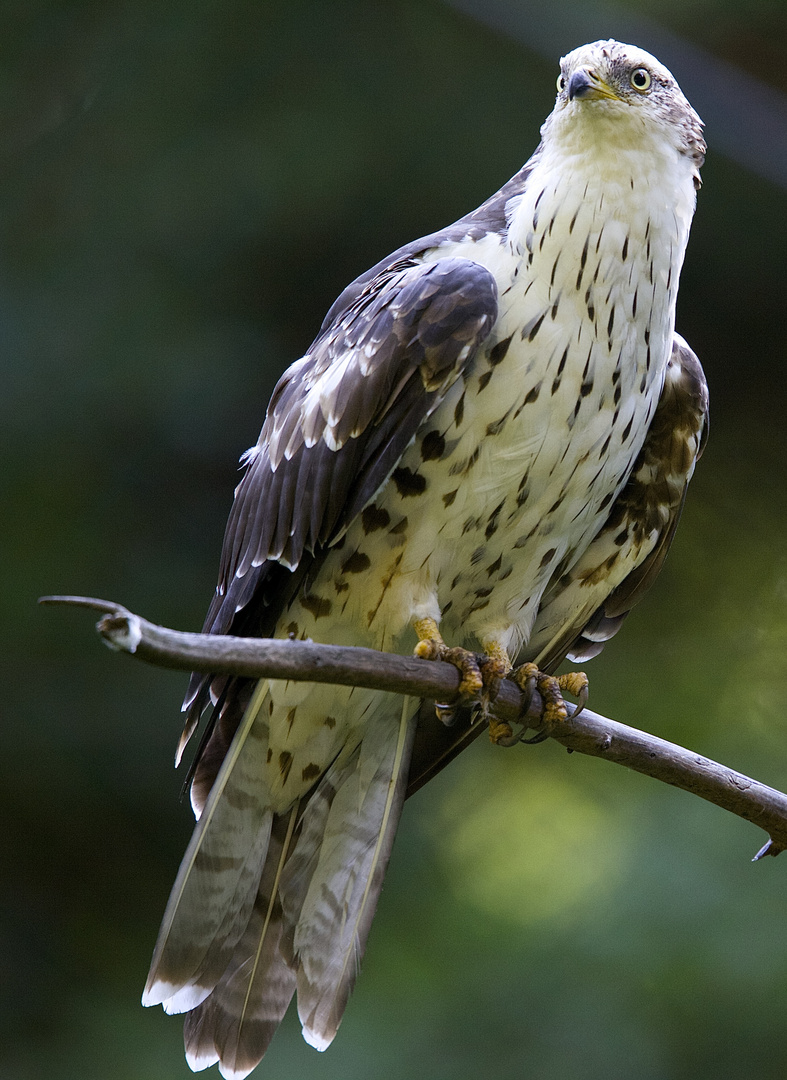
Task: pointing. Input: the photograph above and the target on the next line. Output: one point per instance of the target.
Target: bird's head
(608, 85)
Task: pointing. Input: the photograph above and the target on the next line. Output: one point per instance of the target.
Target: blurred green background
(184, 189)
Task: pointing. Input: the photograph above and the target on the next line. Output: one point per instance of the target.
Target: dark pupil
(640, 78)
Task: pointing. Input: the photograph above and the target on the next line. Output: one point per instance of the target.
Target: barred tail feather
(236, 1023)
(336, 917)
(216, 886)
(297, 874)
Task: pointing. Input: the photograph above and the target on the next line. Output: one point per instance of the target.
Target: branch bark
(589, 733)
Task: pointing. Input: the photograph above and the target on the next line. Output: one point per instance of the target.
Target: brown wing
(584, 607)
(340, 418)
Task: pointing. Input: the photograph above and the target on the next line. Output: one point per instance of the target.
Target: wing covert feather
(368, 381)
(592, 600)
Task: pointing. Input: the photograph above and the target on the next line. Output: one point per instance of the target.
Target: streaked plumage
(494, 428)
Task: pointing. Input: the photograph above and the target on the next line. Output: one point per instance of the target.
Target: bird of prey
(488, 442)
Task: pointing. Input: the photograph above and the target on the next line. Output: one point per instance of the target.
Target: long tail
(265, 903)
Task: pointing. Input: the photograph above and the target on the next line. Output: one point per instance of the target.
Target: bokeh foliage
(184, 188)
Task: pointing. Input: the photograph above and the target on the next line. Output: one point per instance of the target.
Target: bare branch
(589, 733)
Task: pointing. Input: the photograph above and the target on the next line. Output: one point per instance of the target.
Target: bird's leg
(529, 678)
(432, 647)
(480, 674)
(500, 731)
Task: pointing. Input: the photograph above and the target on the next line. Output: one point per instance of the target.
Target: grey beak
(579, 85)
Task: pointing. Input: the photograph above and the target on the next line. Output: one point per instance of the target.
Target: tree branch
(589, 733)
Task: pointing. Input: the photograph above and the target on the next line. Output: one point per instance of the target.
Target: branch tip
(107, 606)
(122, 633)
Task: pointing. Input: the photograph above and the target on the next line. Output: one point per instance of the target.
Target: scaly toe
(463, 660)
(501, 733)
(473, 680)
(469, 668)
(429, 649)
(554, 710)
(493, 670)
(575, 683)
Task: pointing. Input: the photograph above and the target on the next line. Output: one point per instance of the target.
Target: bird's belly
(505, 484)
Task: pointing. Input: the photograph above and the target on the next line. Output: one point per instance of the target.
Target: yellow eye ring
(640, 79)
(561, 83)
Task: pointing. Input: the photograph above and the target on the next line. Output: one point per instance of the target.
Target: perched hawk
(492, 433)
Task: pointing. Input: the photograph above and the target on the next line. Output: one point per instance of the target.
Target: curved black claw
(540, 736)
(582, 701)
(528, 687)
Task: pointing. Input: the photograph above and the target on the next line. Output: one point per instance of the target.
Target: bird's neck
(603, 181)
(604, 227)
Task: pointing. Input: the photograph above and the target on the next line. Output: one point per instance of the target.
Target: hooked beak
(587, 86)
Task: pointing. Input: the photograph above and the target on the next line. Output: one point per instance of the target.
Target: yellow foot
(575, 683)
(480, 675)
(553, 711)
(501, 733)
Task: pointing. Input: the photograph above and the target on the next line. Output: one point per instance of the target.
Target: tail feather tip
(316, 1038)
(173, 998)
(197, 1061)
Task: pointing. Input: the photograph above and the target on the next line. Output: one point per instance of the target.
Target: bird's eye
(561, 83)
(640, 79)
